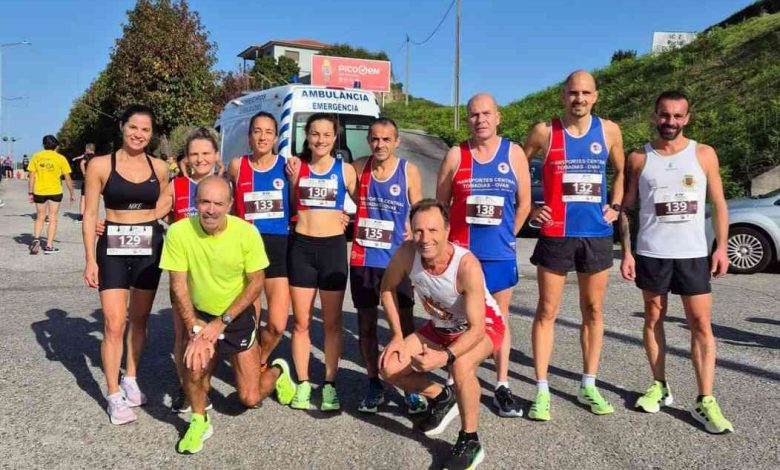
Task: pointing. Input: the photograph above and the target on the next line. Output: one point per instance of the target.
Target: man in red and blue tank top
(388, 186)
(576, 233)
(487, 183)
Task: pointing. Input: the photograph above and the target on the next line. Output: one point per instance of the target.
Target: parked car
(754, 233)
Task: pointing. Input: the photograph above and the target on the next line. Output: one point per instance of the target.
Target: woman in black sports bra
(127, 254)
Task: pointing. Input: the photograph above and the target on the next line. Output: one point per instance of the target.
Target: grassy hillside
(731, 74)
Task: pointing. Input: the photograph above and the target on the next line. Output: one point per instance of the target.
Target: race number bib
(484, 210)
(263, 205)
(582, 187)
(129, 240)
(374, 233)
(676, 207)
(318, 192)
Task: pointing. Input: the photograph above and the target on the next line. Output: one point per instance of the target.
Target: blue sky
(508, 47)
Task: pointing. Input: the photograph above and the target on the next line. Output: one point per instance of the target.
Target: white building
(299, 50)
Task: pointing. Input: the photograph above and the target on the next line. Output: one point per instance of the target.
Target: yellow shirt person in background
(44, 188)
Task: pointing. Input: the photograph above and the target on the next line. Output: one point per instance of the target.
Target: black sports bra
(122, 195)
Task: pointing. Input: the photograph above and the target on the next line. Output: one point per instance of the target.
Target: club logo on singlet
(333, 176)
(595, 147)
(436, 309)
(503, 168)
(395, 190)
(278, 183)
(689, 181)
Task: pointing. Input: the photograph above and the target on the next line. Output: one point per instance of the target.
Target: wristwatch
(226, 318)
(616, 207)
(450, 357)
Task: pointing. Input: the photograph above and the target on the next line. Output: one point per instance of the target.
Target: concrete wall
(765, 182)
(304, 57)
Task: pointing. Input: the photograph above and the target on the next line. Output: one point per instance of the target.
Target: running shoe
(182, 405)
(507, 406)
(375, 396)
(199, 430)
(330, 399)
(285, 386)
(708, 413)
(48, 250)
(302, 398)
(133, 394)
(466, 454)
(46, 219)
(2, 203)
(415, 403)
(540, 408)
(35, 247)
(658, 394)
(598, 405)
(440, 415)
(118, 409)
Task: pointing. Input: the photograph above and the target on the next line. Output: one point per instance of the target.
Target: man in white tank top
(671, 178)
(466, 327)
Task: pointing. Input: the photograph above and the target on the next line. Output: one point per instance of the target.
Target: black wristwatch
(616, 207)
(450, 357)
(226, 318)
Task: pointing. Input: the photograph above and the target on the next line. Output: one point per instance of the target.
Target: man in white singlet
(671, 178)
(466, 327)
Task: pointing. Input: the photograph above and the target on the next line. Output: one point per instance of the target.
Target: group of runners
(456, 253)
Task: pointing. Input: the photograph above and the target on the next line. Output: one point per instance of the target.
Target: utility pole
(407, 70)
(457, 65)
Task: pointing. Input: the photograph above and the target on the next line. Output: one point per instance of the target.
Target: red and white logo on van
(278, 183)
(395, 190)
(503, 168)
(595, 147)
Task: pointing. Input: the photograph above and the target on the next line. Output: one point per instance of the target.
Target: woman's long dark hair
(306, 153)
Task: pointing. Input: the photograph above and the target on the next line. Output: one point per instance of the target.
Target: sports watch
(226, 318)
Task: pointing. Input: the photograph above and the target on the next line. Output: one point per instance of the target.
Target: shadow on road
(24, 239)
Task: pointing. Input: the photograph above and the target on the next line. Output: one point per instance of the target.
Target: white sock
(128, 379)
(588, 380)
(542, 386)
(502, 383)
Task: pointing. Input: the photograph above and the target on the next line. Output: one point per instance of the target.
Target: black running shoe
(35, 247)
(182, 405)
(48, 250)
(507, 406)
(467, 453)
(440, 414)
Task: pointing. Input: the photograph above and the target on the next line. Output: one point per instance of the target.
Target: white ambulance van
(291, 105)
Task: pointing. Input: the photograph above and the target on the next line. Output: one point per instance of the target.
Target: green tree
(89, 120)
(164, 60)
(345, 50)
(269, 72)
(620, 54)
(231, 85)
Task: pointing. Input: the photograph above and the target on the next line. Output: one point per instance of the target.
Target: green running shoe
(540, 408)
(285, 386)
(658, 394)
(200, 429)
(330, 399)
(708, 413)
(302, 398)
(598, 405)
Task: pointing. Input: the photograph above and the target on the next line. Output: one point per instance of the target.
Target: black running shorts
(689, 276)
(318, 262)
(564, 254)
(38, 199)
(276, 249)
(123, 272)
(240, 335)
(364, 283)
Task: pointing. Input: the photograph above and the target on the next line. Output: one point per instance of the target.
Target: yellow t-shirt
(215, 265)
(48, 166)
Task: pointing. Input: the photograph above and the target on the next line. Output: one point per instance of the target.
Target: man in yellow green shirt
(216, 264)
(44, 188)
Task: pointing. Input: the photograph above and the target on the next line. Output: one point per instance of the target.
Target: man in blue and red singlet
(388, 186)
(487, 183)
(576, 233)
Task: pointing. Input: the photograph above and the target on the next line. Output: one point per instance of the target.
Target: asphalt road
(52, 408)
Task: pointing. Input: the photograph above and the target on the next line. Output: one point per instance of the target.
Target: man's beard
(673, 136)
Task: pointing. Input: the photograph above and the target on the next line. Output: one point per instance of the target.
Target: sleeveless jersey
(184, 198)
(321, 191)
(672, 195)
(482, 217)
(380, 219)
(574, 178)
(263, 197)
(440, 297)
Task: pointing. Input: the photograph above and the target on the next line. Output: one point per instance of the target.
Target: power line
(452, 3)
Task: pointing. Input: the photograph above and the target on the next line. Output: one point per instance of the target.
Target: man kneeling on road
(216, 264)
(466, 328)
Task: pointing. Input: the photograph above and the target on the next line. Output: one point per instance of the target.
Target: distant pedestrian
(89, 154)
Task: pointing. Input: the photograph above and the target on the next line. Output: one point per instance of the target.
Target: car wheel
(748, 250)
